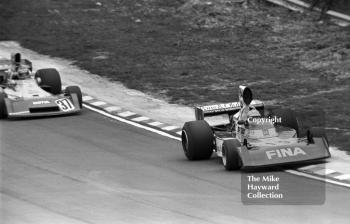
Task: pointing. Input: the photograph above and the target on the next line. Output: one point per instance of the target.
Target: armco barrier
(297, 5)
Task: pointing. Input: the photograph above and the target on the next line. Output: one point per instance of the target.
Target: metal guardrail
(297, 5)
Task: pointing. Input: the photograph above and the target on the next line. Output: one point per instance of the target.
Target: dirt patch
(193, 52)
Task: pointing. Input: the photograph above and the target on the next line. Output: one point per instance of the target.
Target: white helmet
(254, 113)
(23, 73)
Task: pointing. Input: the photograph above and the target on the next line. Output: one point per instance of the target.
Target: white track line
(140, 119)
(169, 128)
(343, 177)
(295, 172)
(112, 108)
(131, 122)
(126, 114)
(324, 172)
(98, 103)
(308, 167)
(155, 123)
(317, 178)
(86, 98)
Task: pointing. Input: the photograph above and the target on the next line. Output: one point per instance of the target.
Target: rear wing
(225, 108)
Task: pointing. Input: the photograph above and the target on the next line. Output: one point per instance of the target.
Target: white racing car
(251, 137)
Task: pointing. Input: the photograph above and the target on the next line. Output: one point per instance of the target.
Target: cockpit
(260, 129)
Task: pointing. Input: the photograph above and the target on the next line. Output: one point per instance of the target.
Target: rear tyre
(49, 79)
(230, 156)
(75, 89)
(197, 140)
(319, 133)
(288, 119)
(3, 110)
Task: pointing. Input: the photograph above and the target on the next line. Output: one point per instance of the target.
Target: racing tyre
(75, 89)
(319, 133)
(3, 111)
(230, 156)
(288, 119)
(49, 79)
(197, 140)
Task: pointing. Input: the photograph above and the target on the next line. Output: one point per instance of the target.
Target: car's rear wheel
(197, 140)
(49, 79)
(75, 90)
(230, 156)
(288, 119)
(3, 110)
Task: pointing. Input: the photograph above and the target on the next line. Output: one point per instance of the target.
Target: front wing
(289, 154)
(38, 107)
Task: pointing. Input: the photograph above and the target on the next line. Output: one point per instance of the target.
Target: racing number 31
(65, 104)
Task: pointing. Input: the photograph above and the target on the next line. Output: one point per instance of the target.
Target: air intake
(43, 109)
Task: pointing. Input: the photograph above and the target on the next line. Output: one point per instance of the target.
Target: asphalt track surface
(91, 169)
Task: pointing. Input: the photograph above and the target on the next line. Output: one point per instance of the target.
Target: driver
(245, 98)
(23, 73)
(246, 111)
(243, 115)
(17, 70)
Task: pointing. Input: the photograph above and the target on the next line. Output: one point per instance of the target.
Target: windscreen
(257, 130)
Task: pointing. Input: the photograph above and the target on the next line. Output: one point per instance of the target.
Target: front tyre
(75, 90)
(197, 140)
(49, 80)
(230, 155)
(3, 110)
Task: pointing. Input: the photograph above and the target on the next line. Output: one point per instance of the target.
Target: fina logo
(287, 152)
(41, 102)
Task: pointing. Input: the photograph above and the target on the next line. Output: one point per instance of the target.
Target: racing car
(249, 136)
(24, 93)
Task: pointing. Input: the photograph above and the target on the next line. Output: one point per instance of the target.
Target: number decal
(65, 104)
(265, 132)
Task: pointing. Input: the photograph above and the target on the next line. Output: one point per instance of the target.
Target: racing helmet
(23, 73)
(245, 95)
(254, 113)
(15, 61)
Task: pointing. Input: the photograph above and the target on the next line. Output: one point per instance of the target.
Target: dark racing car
(25, 94)
(249, 136)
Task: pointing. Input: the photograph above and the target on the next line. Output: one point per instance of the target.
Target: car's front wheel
(230, 155)
(197, 140)
(75, 90)
(3, 110)
(49, 80)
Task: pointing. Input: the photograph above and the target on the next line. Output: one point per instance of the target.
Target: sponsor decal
(265, 131)
(222, 106)
(41, 102)
(287, 152)
(227, 106)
